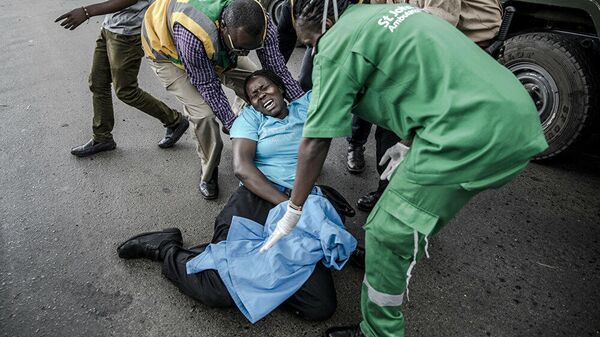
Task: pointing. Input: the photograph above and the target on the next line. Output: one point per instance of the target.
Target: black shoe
(368, 201)
(173, 134)
(93, 147)
(148, 245)
(357, 258)
(344, 331)
(210, 188)
(356, 159)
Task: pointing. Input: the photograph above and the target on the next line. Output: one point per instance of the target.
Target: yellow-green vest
(200, 17)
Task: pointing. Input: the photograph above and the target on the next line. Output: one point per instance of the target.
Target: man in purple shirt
(194, 48)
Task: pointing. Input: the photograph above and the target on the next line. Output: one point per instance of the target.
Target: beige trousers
(206, 129)
(479, 20)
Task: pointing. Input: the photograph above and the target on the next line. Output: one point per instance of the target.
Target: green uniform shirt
(470, 119)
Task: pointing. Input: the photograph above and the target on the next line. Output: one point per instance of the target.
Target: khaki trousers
(199, 113)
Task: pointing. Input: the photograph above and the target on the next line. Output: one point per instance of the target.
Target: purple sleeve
(202, 74)
(271, 58)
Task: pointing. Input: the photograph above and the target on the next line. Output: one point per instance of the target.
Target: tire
(556, 72)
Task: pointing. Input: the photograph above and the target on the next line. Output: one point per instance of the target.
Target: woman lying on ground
(265, 141)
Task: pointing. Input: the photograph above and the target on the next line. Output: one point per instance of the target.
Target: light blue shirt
(259, 282)
(277, 140)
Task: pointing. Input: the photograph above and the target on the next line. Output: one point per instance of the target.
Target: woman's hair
(311, 11)
(270, 75)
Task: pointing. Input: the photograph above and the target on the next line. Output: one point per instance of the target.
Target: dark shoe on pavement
(357, 258)
(344, 331)
(173, 134)
(356, 159)
(93, 147)
(148, 245)
(368, 201)
(210, 188)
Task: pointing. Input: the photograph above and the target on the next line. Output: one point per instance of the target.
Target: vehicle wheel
(557, 74)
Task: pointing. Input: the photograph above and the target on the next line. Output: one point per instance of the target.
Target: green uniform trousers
(117, 60)
(396, 235)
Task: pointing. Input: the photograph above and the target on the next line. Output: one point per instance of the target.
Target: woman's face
(266, 97)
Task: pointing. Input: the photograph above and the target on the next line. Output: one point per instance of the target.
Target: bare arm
(311, 156)
(246, 171)
(77, 16)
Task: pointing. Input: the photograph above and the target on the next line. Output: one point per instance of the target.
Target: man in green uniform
(471, 123)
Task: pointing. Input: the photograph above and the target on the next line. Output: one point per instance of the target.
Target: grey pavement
(523, 260)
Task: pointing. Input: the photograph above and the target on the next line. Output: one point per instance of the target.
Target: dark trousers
(117, 60)
(287, 43)
(315, 300)
(384, 139)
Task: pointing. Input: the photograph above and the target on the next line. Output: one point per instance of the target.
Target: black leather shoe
(357, 258)
(356, 159)
(344, 331)
(368, 201)
(93, 147)
(210, 188)
(148, 245)
(173, 134)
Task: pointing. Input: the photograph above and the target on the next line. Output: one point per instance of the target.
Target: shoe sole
(82, 155)
(168, 230)
(355, 171)
(176, 139)
(363, 208)
(211, 197)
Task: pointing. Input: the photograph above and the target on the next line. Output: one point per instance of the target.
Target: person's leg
(305, 77)
(205, 287)
(206, 129)
(316, 300)
(242, 203)
(285, 31)
(125, 54)
(103, 120)
(356, 145)
(384, 139)
(360, 132)
(100, 86)
(396, 236)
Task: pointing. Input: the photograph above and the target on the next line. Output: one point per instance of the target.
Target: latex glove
(395, 155)
(284, 227)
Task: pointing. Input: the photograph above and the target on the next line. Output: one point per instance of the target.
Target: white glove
(284, 227)
(395, 155)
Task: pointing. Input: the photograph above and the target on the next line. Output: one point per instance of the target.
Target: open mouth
(269, 105)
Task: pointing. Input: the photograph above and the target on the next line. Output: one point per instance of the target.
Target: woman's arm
(246, 171)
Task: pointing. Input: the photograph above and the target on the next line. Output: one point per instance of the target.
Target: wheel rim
(541, 88)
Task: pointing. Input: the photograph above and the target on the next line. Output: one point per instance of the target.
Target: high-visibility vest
(200, 17)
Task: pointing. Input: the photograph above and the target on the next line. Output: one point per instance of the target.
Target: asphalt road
(523, 260)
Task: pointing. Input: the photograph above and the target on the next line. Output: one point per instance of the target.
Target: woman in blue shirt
(265, 140)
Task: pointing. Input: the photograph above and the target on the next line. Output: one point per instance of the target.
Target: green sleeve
(335, 86)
